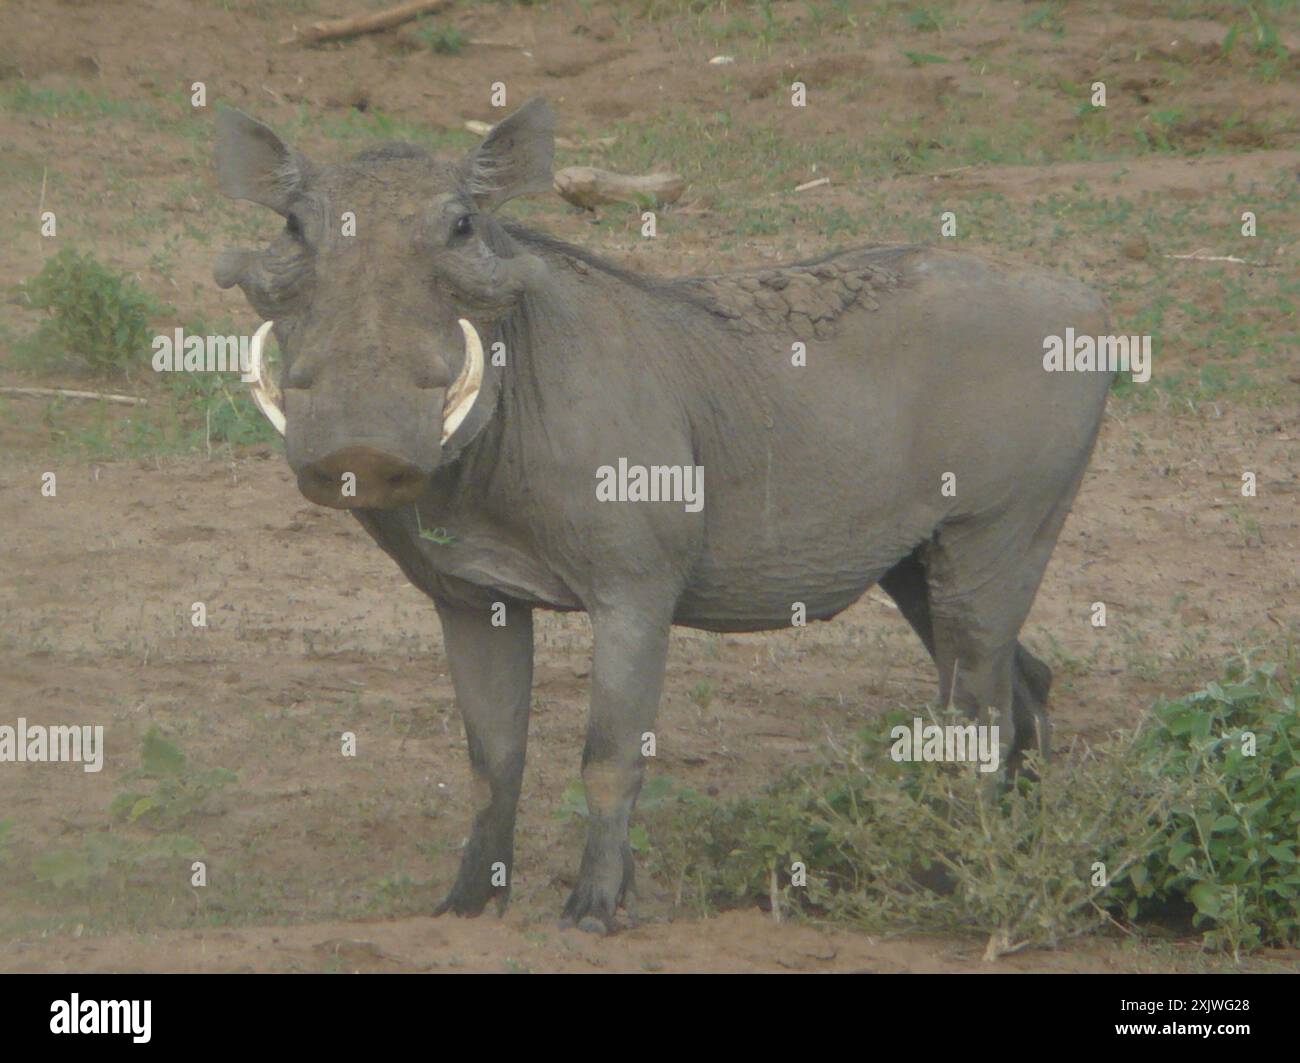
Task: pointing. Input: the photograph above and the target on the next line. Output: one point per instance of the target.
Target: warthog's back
(921, 367)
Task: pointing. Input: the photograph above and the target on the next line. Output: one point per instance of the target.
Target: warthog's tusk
(266, 392)
(462, 394)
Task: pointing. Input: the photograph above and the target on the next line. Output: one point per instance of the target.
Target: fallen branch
(1201, 256)
(813, 184)
(50, 393)
(586, 186)
(359, 24)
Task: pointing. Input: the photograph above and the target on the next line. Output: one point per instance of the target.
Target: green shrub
(1172, 812)
(1230, 853)
(893, 847)
(94, 316)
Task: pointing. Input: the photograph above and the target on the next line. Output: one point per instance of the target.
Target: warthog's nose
(361, 478)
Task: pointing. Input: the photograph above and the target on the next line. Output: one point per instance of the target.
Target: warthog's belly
(764, 596)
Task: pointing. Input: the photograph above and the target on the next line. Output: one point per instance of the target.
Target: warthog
(877, 415)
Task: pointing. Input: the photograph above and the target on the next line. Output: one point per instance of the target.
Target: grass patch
(74, 103)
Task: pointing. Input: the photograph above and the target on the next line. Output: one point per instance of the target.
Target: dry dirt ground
(322, 864)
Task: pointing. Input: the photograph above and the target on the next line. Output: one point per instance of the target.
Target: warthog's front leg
(627, 676)
(492, 671)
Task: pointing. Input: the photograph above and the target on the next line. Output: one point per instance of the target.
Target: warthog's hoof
(601, 924)
(469, 902)
(593, 903)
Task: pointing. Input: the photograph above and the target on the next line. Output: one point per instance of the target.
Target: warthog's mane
(807, 297)
(393, 149)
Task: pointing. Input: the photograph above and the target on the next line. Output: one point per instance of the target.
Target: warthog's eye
(293, 226)
(463, 226)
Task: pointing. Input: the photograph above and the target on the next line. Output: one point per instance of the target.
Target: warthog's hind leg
(906, 583)
(1033, 680)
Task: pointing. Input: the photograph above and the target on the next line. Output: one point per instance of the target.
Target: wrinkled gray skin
(820, 480)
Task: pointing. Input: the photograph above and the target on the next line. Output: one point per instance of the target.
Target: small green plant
(1267, 41)
(94, 316)
(106, 863)
(445, 40)
(439, 536)
(702, 695)
(394, 893)
(1230, 40)
(178, 791)
(573, 802)
(1161, 132)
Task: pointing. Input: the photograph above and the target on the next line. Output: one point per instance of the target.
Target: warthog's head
(386, 273)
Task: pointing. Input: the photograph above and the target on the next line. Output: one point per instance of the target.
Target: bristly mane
(505, 237)
(392, 149)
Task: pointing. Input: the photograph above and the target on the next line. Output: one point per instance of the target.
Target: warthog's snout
(357, 476)
(362, 478)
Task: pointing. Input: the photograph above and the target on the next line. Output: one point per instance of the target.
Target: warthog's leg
(1029, 706)
(492, 671)
(906, 584)
(982, 574)
(627, 675)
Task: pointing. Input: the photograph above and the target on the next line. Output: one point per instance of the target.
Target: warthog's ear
(515, 158)
(255, 164)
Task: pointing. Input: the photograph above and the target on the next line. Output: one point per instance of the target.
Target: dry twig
(50, 393)
(359, 24)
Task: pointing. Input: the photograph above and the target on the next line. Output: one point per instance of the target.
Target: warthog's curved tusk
(463, 393)
(266, 392)
(460, 399)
